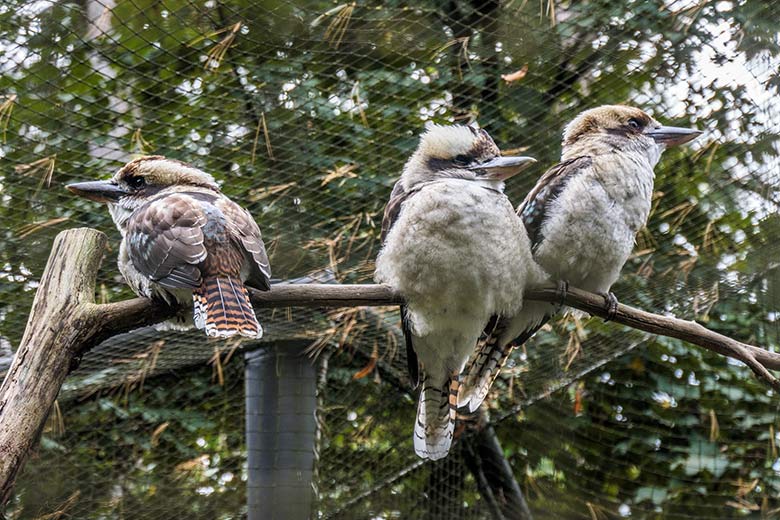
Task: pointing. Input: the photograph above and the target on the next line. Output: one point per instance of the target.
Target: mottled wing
(534, 208)
(165, 241)
(393, 208)
(244, 227)
(391, 214)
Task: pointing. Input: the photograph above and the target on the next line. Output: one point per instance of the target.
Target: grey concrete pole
(281, 427)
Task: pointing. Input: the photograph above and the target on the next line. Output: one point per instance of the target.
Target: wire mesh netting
(305, 111)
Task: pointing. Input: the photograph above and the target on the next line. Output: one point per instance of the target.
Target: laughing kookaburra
(582, 216)
(185, 242)
(455, 249)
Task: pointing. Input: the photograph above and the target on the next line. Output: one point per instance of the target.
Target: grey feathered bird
(582, 217)
(184, 241)
(454, 248)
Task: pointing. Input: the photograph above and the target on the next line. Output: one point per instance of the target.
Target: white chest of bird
(451, 253)
(458, 253)
(591, 227)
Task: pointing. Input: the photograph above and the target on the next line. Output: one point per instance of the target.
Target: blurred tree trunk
(99, 17)
(493, 473)
(467, 20)
(444, 488)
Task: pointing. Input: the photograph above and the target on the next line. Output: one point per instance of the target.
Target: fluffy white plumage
(459, 254)
(584, 213)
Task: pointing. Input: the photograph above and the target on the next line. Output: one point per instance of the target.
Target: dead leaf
(370, 366)
(515, 76)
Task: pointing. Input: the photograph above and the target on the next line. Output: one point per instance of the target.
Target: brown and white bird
(184, 241)
(582, 216)
(456, 251)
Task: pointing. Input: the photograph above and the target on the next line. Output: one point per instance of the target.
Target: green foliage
(306, 112)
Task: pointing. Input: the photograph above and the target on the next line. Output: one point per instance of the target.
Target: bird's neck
(492, 185)
(120, 215)
(489, 184)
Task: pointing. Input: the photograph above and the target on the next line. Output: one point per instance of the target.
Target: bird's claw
(562, 291)
(610, 304)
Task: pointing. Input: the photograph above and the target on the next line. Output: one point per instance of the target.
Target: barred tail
(483, 371)
(223, 309)
(435, 424)
(492, 353)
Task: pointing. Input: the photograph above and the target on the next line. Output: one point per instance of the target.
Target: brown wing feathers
(166, 242)
(201, 242)
(492, 355)
(392, 211)
(222, 308)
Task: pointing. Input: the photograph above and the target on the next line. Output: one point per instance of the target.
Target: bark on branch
(65, 322)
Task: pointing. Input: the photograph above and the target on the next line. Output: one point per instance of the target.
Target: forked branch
(65, 322)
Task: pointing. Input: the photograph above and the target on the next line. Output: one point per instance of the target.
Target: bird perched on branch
(184, 241)
(456, 251)
(582, 216)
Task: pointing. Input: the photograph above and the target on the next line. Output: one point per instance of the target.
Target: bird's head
(143, 177)
(624, 128)
(460, 152)
(140, 179)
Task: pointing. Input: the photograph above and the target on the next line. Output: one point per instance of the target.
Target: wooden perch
(65, 322)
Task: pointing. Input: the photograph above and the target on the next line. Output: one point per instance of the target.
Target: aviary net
(305, 111)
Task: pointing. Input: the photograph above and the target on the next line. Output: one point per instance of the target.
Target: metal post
(281, 426)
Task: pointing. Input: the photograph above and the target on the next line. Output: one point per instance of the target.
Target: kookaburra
(583, 216)
(455, 249)
(184, 241)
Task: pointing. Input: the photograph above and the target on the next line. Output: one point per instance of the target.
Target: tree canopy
(305, 111)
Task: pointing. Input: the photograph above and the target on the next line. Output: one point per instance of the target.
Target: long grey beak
(502, 168)
(99, 191)
(672, 135)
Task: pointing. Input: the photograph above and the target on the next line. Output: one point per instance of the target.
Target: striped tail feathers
(222, 308)
(483, 371)
(435, 423)
(492, 354)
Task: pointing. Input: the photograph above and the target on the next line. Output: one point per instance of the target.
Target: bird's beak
(502, 168)
(99, 191)
(672, 135)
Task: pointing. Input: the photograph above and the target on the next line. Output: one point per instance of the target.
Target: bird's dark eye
(635, 123)
(136, 182)
(461, 160)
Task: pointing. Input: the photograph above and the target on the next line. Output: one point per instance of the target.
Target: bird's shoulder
(166, 211)
(534, 207)
(398, 196)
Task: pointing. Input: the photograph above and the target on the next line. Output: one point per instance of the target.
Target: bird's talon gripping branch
(610, 304)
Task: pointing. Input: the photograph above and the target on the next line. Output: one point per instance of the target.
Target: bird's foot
(562, 291)
(610, 304)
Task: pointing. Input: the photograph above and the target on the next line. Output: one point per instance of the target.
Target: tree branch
(758, 359)
(65, 322)
(123, 316)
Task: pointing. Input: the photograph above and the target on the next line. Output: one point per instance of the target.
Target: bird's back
(199, 240)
